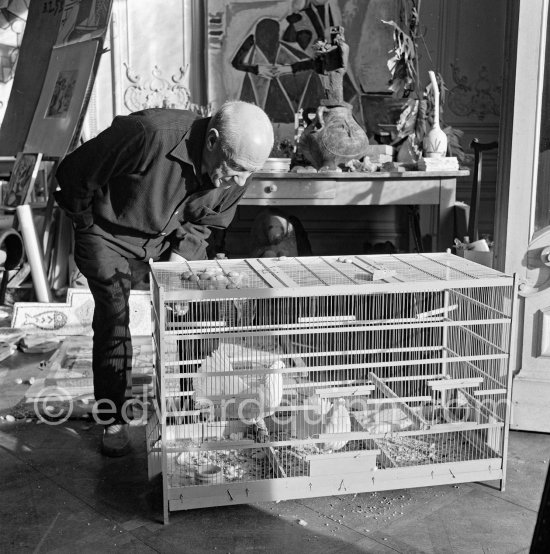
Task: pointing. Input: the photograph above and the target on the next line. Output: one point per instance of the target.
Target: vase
(435, 142)
(333, 138)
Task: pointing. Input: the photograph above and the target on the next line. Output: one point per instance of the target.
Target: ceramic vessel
(435, 142)
(333, 138)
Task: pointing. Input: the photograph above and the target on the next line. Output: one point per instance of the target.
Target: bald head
(238, 142)
(244, 132)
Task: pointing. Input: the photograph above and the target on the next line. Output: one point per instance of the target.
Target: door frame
(517, 175)
(519, 134)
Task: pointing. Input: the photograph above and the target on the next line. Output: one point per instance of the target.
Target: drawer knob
(271, 188)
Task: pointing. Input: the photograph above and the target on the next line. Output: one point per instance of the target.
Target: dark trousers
(104, 260)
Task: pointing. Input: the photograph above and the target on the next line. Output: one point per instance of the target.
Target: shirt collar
(189, 149)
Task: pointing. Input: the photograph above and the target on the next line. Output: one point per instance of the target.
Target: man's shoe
(116, 440)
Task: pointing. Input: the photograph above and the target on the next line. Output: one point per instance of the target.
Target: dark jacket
(141, 178)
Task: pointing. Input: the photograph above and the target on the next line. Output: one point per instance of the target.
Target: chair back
(473, 221)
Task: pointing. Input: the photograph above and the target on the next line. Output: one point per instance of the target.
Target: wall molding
(156, 91)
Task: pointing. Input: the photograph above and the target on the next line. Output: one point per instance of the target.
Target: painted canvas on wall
(83, 20)
(262, 51)
(60, 105)
(23, 176)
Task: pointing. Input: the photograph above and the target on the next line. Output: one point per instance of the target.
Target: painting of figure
(23, 176)
(62, 94)
(262, 51)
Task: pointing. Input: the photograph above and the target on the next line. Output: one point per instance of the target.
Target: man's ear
(211, 139)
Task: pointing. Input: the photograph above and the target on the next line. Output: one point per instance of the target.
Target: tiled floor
(58, 494)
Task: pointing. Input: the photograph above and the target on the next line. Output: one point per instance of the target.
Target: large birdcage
(298, 377)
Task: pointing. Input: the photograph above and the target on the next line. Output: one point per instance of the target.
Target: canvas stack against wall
(69, 78)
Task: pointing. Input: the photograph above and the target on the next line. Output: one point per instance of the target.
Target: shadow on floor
(60, 494)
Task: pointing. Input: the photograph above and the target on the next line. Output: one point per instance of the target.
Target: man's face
(222, 171)
(226, 173)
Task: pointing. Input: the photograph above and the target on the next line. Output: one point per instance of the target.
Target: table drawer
(296, 190)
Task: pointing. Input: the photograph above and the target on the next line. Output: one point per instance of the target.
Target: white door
(523, 225)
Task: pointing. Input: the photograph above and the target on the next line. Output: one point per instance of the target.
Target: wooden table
(435, 189)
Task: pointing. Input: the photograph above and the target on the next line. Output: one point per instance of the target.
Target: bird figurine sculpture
(435, 142)
(275, 233)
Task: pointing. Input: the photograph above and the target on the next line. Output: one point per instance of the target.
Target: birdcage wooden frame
(411, 352)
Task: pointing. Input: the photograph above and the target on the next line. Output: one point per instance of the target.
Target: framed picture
(61, 101)
(22, 179)
(83, 20)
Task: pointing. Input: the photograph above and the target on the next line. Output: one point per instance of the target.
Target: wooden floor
(60, 495)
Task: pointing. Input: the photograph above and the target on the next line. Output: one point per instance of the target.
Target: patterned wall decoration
(83, 20)
(159, 92)
(13, 16)
(479, 99)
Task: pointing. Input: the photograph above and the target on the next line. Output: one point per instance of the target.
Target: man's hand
(175, 257)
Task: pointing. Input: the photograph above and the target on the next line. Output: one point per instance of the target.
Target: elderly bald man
(152, 185)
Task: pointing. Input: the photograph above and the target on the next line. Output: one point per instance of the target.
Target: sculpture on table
(275, 233)
(334, 137)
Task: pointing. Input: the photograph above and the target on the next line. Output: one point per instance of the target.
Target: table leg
(414, 228)
(447, 199)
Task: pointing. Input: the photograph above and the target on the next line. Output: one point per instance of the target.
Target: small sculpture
(275, 234)
(435, 142)
(331, 61)
(334, 137)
